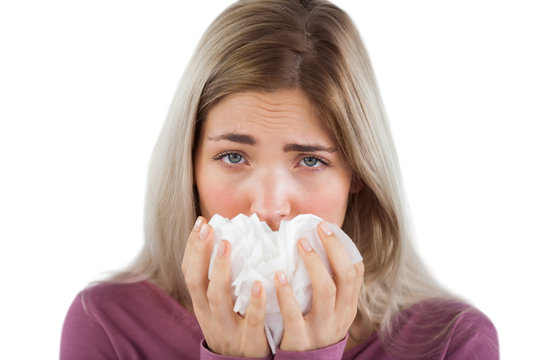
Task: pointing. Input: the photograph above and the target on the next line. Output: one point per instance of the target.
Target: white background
(85, 87)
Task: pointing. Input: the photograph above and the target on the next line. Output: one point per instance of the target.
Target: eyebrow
(308, 148)
(235, 137)
(250, 140)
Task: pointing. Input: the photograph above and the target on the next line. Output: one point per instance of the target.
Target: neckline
(360, 347)
(167, 298)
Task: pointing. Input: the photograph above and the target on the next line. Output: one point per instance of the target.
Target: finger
(254, 320)
(219, 288)
(353, 309)
(256, 309)
(293, 321)
(346, 276)
(196, 273)
(360, 278)
(324, 288)
(193, 235)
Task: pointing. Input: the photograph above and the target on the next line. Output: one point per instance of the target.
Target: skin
(267, 153)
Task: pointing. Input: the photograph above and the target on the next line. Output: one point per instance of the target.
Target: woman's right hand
(225, 331)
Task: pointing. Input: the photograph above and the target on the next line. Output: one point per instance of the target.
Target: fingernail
(256, 289)
(204, 232)
(222, 248)
(305, 245)
(326, 228)
(197, 225)
(282, 279)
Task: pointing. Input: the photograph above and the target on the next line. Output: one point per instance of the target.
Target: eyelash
(226, 153)
(318, 158)
(323, 161)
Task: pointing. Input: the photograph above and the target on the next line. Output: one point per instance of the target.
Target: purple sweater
(140, 321)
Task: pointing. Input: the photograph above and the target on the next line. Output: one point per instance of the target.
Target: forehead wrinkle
(284, 113)
(269, 108)
(267, 116)
(273, 123)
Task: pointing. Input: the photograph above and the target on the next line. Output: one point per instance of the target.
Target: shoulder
(107, 291)
(83, 331)
(106, 302)
(107, 295)
(444, 311)
(448, 329)
(109, 319)
(85, 314)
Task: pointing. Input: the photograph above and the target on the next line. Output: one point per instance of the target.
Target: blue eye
(314, 162)
(310, 161)
(234, 158)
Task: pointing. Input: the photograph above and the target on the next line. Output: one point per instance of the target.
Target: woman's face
(266, 153)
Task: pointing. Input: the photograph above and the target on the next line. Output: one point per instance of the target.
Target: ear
(356, 185)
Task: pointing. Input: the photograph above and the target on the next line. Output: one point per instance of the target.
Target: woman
(278, 114)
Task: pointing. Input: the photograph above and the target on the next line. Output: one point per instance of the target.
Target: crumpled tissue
(258, 253)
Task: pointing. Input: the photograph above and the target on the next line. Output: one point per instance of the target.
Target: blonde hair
(266, 45)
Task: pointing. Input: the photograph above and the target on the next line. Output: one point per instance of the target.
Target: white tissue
(258, 253)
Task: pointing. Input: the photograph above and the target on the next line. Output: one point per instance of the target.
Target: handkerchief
(258, 253)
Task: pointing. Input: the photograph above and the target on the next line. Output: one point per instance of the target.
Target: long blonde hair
(266, 45)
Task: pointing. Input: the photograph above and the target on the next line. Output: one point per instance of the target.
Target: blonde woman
(278, 114)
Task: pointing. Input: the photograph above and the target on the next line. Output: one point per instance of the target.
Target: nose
(271, 198)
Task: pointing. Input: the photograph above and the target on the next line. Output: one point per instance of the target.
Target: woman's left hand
(335, 300)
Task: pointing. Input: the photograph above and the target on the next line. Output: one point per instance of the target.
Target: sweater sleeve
(207, 354)
(327, 353)
(83, 337)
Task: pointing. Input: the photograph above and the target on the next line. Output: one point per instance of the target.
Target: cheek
(330, 204)
(327, 197)
(216, 197)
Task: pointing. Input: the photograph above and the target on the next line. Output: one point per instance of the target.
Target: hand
(225, 331)
(335, 300)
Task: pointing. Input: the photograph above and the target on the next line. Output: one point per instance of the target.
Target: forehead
(287, 111)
